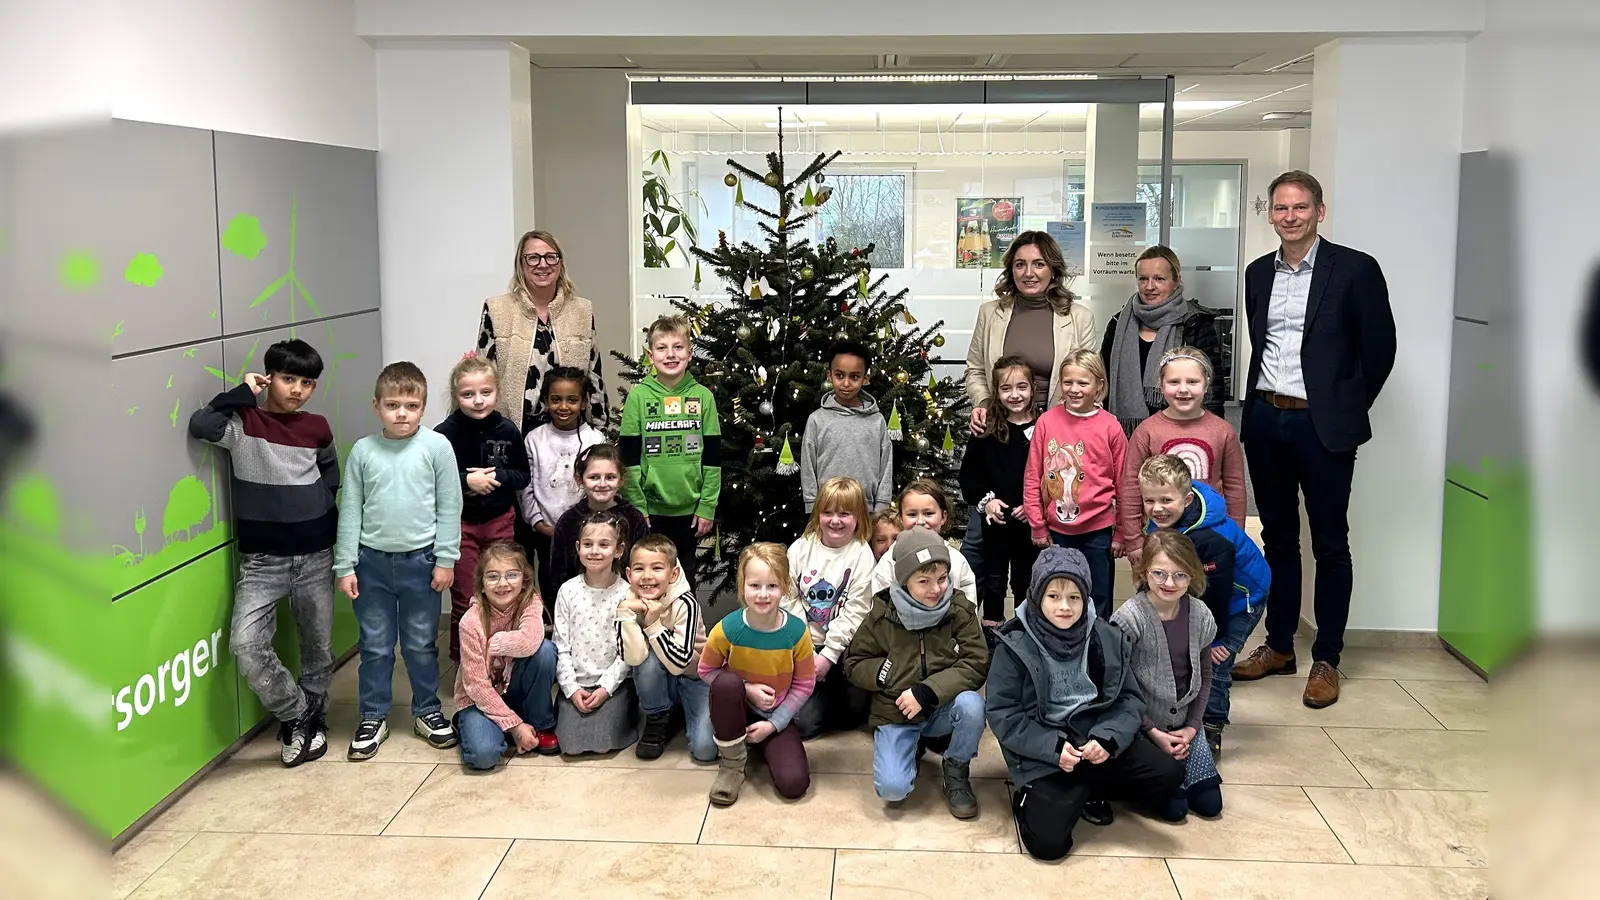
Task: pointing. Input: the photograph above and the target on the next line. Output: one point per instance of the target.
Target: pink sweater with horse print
(1074, 466)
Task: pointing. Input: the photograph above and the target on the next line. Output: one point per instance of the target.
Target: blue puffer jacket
(1236, 573)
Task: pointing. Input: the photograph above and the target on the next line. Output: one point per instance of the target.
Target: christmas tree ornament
(786, 461)
(765, 408)
(823, 195)
(949, 441)
(820, 179)
(782, 221)
(901, 377)
(761, 374)
(931, 382)
(910, 319)
(938, 340)
(895, 432)
(772, 330)
(808, 273)
(697, 275)
(716, 546)
(772, 179)
(861, 286)
(809, 201)
(745, 332)
(738, 193)
(730, 179)
(755, 289)
(922, 443)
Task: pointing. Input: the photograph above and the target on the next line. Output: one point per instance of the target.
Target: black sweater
(992, 466)
(491, 441)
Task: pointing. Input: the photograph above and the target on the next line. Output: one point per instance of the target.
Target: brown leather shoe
(1263, 662)
(1322, 686)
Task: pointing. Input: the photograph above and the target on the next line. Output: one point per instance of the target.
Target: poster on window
(1117, 231)
(985, 227)
(1070, 237)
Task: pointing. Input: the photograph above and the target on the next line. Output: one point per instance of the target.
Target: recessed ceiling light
(1278, 116)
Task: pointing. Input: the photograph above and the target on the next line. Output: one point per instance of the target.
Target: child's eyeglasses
(496, 577)
(1161, 577)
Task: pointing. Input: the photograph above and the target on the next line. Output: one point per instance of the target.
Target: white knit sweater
(588, 654)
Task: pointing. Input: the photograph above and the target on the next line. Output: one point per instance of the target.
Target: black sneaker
(369, 734)
(437, 731)
(1097, 812)
(653, 741)
(317, 733)
(1214, 740)
(292, 739)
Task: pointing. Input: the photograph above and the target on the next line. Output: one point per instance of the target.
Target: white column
(1386, 143)
(455, 189)
(1110, 176)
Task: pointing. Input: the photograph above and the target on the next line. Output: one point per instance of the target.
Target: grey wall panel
(280, 199)
(1484, 241)
(352, 355)
(1477, 429)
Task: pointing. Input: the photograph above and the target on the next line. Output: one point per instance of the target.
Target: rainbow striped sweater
(780, 659)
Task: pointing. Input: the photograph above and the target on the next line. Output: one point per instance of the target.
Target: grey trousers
(308, 583)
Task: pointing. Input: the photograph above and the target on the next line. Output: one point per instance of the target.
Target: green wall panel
(1486, 584)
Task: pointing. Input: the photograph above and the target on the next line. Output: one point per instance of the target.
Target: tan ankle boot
(730, 774)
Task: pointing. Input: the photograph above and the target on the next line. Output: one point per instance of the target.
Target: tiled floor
(1382, 795)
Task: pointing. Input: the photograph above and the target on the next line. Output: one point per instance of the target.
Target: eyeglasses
(532, 260)
(511, 577)
(1161, 577)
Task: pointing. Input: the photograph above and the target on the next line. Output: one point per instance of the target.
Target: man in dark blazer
(1323, 339)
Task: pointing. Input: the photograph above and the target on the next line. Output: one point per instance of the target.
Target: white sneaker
(369, 734)
(436, 729)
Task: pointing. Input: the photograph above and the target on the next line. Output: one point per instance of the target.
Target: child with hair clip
(590, 669)
(503, 685)
(991, 481)
(1075, 459)
(494, 469)
(1186, 429)
(598, 473)
(1171, 633)
(553, 449)
(832, 564)
(924, 504)
(661, 630)
(759, 664)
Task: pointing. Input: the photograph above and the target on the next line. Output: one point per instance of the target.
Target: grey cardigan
(1152, 660)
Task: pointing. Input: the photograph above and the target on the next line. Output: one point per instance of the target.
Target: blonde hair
(1165, 254)
(1166, 470)
(1089, 361)
(843, 493)
(677, 325)
(471, 364)
(776, 558)
(1005, 286)
(996, 424)
(1195, 355)
(509, 551)
(402, 379)
(887, 516)
(519, 284)
(1179, 549)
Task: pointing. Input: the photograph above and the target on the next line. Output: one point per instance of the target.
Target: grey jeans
(308, 582)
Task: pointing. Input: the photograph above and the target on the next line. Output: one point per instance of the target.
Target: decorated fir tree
(762, 354)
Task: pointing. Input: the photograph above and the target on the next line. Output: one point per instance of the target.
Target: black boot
(653, 742)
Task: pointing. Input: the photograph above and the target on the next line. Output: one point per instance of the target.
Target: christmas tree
(762, 353)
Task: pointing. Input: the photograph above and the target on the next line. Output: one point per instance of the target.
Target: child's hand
(980, 418)
(1134, 553)
(545, 528)
(759, 731)
(1042, 541)
(1018, 513)
(481, 481)
(1185, 734)
(633, 605)
(761, 696)
(995, 512)
(702, 526)
(580, 699)
(597, 697)
(823, 664)
(1168, 743)
(1069, 757)
(442, 578)
(526, 739)
(1116, 549)
(1094, 753)
(1219, 654)
(257, 382)
(347, 584)
(907, 704)
(653, 610)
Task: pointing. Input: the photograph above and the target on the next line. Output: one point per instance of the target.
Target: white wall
(287, 69)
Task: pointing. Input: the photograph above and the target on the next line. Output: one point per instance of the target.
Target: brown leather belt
(1283, 402)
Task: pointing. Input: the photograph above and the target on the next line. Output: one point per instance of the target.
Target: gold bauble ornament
(730, 179)
(901, 378)
(772, 179)
(938, 340)
(744, 332)
(808, 273)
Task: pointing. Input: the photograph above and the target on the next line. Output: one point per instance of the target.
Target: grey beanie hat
(917, 547)
(1057, 562)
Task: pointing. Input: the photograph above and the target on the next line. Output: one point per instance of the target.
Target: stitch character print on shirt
(822, 598)
(1196, 454)
(1063, 480)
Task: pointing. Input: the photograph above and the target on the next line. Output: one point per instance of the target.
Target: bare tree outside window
(868, 209)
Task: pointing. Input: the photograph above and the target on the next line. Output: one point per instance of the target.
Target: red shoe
(548, 745)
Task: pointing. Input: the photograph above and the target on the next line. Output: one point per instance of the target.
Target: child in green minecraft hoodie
(671, 443)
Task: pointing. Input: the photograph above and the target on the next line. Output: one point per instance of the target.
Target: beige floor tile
(537, 870)
(1285, 755)
(314, 799)
(1379, 662)
(850, 753)
(248, 866)
(664, 806)
(403, 745)
(140, 857)
(1460, 706)
(1258, 822)
(1204, 879)
(1302, 649)
(1421, 760)
(1363, 703)
(346, 685)
(676, 757)
(843, 811)
(1407, 828)
(874, 874)
(45, 851)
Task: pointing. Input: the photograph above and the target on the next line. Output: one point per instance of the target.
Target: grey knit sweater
(1152, 661)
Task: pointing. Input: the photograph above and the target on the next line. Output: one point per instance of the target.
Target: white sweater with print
(588, 652)
(552, 487)
(961, 577)
(830, 591)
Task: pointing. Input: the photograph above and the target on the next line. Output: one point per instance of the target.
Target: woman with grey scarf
(1156, 318)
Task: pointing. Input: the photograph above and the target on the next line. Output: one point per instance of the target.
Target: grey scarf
(1134, 393)
(913, 615)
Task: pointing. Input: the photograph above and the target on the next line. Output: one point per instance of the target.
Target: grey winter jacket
(851, 442)
(1017, 680)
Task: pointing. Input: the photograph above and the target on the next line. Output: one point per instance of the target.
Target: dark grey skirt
(612, 727)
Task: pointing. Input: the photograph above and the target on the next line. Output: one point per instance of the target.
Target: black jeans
(1047, 808)
(679, 530)
(1287, 458)
(1005, 545)
(834, 705)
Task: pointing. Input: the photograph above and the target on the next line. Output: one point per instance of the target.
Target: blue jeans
(972, 546)
(528, 695)
(1232, 634)
(894, 747)
(1096, 548)
(659, 690)
(397, 597)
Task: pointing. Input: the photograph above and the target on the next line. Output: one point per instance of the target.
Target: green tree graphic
(243, 236)
(187, 506)
(79, 270)
(143, 270)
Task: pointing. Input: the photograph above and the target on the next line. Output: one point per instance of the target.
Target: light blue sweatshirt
(399, 496)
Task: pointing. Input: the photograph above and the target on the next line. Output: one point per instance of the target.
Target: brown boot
(1322, 686)
(1263, 662)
